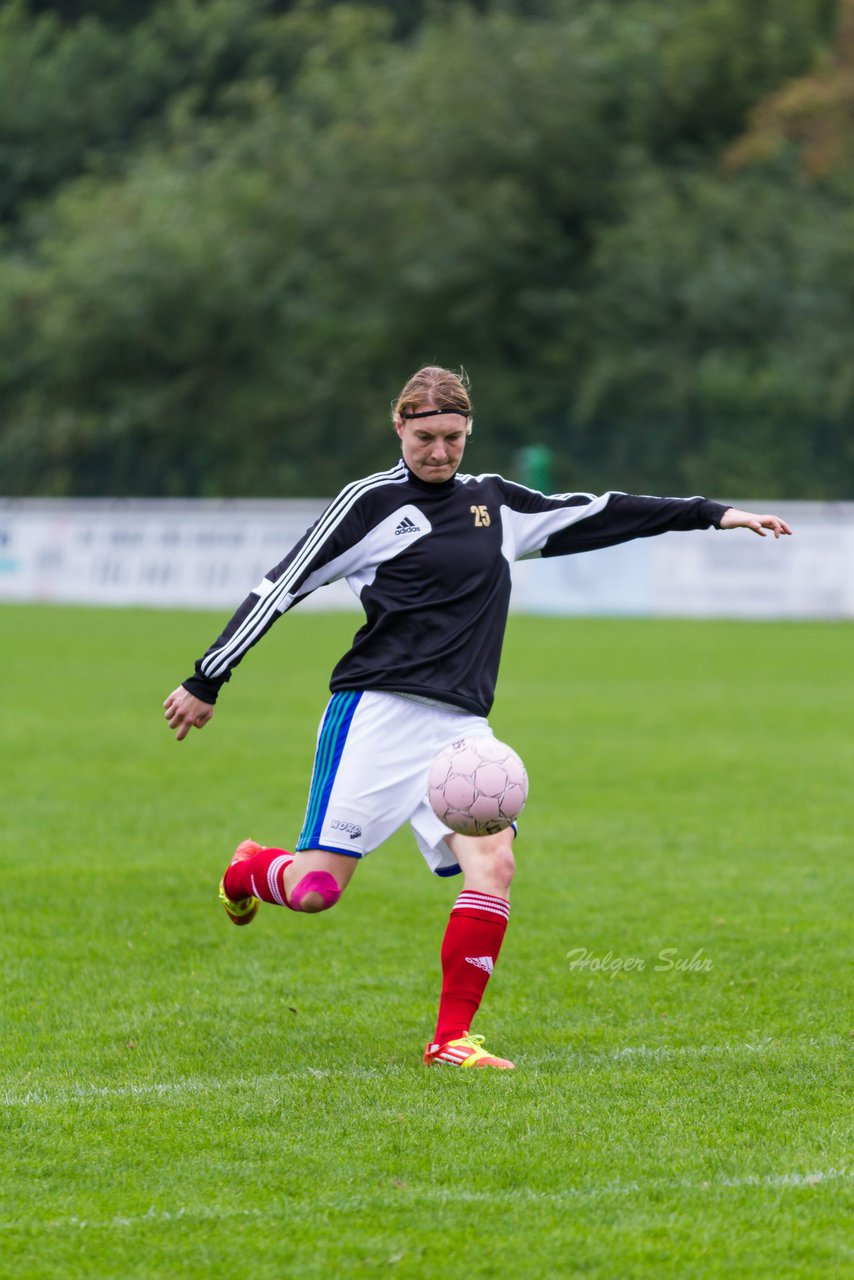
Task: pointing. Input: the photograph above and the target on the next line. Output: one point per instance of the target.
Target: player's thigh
(370, 773)
(487, 862)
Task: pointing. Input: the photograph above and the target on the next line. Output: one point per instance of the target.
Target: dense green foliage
(231, 228)
(185, 1099)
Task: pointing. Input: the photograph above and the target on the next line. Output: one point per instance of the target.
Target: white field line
(745, 1048)
(441, 1196)
(41, 1096)
(175, 1088)
(190, 1085)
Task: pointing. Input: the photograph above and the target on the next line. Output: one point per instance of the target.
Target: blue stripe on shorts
(330, 748)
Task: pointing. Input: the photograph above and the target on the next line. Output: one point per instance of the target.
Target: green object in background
(536, 467)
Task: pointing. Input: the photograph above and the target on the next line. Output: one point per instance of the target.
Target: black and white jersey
(430, 564)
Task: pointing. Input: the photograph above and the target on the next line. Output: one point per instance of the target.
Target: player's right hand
(184, 711)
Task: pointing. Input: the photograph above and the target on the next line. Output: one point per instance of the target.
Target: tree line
(230, 229)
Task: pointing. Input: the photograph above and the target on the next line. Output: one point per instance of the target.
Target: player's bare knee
(502, 864)
(316, 891)
(312, 903)
(487, 861)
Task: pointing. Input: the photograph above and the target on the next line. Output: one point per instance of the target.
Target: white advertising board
(708, 574)
(208, 554)
(201, 554)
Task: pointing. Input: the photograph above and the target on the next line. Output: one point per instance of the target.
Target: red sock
(469, 951)
(260, 876)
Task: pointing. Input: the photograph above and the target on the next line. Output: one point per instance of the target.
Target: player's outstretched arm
(733, 518)
(184, 711)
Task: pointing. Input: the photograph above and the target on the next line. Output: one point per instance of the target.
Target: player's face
(432, 448)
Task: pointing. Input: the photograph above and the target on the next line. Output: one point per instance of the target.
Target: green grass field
(183, 1098)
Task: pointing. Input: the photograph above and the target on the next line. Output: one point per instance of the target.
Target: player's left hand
(733, 518)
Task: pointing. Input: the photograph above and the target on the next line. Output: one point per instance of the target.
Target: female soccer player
(428, 553)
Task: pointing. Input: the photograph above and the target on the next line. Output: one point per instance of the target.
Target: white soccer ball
(477, 786)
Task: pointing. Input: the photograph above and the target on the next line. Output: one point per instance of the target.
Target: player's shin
(256, 872)
(470, 948)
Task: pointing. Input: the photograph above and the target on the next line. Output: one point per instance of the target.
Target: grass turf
(184, 1098)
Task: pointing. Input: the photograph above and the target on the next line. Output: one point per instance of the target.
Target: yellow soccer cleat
(468, 1051)
(243, 910)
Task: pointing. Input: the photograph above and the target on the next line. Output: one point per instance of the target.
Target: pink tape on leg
(319, 882)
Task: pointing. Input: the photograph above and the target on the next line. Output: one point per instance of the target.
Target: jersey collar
(429, 486)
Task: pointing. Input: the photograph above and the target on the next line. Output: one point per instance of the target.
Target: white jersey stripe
(527, 532)
(220, 659)
(333, 516)
(269, 593)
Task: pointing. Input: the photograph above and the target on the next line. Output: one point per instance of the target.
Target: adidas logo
(406, 526)
(481, 962)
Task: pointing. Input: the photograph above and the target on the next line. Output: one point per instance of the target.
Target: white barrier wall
(708, 574)
(199, 554)
(208, 554)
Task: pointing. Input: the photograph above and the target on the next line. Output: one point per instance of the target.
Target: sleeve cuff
(203, 689)
(714, 512)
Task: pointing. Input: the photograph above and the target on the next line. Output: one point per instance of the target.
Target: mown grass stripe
(358, 1202)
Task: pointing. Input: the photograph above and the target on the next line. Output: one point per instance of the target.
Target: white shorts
(374, 752)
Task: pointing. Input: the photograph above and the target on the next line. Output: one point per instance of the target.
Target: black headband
(432, 413)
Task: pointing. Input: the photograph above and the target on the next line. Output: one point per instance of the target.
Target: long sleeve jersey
(430, 564)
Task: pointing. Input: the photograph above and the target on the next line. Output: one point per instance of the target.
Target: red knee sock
(469, 951)
(260, 876)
